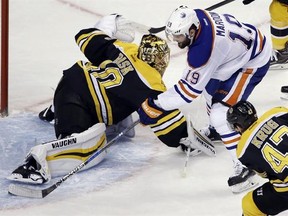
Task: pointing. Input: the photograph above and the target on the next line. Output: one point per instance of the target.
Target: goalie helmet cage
(4, 58)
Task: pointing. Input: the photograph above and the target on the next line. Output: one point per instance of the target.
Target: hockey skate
(284, 93)
(279, 59)
(47, 115)
(211, 133)
(29, 172)
(242, 179)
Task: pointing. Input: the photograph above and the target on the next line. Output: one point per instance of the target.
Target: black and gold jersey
(119, 82)
(264, 147)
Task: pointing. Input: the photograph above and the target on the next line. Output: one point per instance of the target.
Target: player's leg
(264, 201)
(279, 34)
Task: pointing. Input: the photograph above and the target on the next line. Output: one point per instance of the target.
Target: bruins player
(264, 148)
(118, 78)
(279, 32)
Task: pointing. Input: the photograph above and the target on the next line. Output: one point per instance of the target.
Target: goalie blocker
(196, 140)
(58, 157)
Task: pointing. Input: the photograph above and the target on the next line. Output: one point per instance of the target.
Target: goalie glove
(149, 112)
(196, 140)
(117, 27)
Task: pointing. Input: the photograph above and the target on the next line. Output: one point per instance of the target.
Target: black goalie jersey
(264, 147)
(119, 82)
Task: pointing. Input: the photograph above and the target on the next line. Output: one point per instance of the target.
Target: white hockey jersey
(224, 50)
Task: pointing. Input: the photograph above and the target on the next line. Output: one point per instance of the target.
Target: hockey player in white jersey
(226, 59)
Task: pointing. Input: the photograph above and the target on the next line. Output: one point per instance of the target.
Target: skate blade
(244, 186)
(278, 67)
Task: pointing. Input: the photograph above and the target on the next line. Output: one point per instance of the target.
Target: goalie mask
(154, 51)
(242, 114)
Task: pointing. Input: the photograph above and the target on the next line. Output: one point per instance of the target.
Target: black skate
(243, 180)
(279, 59)
(47, 115)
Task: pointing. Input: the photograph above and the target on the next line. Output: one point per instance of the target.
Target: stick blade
(24, 192)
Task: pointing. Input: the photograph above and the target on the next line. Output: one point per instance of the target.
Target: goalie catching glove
(116, 26)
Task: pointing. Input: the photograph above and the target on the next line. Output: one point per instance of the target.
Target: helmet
(242, 114)
(154, 51)
(181, 21)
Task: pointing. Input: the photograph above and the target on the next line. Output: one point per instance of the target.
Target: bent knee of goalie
(249, 207)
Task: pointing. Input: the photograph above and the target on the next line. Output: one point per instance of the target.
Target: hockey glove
(149, 112)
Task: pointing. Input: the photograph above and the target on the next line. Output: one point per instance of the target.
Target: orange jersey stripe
(187, 92)
(234, 97)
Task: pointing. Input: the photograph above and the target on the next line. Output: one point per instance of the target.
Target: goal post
(4, 57)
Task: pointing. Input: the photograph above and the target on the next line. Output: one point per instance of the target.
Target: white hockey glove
(117, 27)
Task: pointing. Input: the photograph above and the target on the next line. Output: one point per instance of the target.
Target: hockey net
(4, 59)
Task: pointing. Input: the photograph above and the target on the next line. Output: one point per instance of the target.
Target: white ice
(141, 176)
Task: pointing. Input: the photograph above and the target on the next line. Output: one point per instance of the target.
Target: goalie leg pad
(59, 157)
(65, 154)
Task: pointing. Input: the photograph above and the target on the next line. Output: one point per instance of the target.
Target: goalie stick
(18, 190)
(154, 30)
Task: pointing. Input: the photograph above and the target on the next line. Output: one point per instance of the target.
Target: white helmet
(180, 22)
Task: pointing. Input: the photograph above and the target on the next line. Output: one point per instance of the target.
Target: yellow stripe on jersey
(247, 136)
(168, 123)
(280, 186)
(79, 153)
(84, 39)
(95, 96)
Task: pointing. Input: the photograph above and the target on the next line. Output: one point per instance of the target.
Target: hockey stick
(154, 30)
(184, 173)
(18, 190)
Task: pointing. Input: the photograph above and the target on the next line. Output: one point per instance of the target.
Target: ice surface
(140, 176)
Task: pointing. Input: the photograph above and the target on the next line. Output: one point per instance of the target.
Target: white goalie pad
(65, 154)
(116, 26)
(196, 140)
